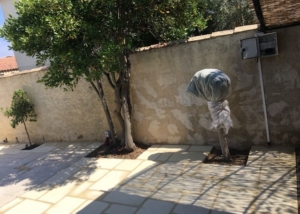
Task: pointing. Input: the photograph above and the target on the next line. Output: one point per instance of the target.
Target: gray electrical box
(262, 45)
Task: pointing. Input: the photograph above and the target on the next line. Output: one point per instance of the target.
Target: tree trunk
(223, 143)
(27, 132)
(118, 114)
(123, 106)
(107, 113)
(129, 144)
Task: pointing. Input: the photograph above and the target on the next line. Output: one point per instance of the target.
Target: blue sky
(3, 43)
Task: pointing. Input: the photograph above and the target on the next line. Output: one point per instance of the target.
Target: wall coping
(17, 73)
(240, 29)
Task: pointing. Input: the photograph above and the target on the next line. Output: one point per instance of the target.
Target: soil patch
(105, 151)
(298, 176)
(237, 157)
(31, 146)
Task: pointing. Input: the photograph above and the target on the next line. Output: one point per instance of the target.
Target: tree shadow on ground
(188, 186)
(43, 168)
(182, 186)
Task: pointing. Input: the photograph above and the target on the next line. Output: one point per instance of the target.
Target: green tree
(21, 110)
(93, 38)
(226, 14)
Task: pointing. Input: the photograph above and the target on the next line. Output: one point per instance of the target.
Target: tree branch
(94, 86)
(109, 80)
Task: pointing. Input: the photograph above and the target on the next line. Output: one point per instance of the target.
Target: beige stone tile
(276, 174)
(110, 180)
(233, 204)
(153, 147)
(200, 149)
(166, 196)
(92, 207)
(187, 156)
(173, 168)
(144, 167)
(275, 205)
(10, 205)
(149, 155)
(128, 165)
(211, 171)
(97, 174)
(107, 163)
(164, 156)
(93, 195)
(84, 174)
(29, 207)
(85, 162)
(80, 189)
(66, 205)
(115, 209)
(54, 195)
(129, 197)
(184, 185)
(34, 194)
(155, 206)
(172, 148)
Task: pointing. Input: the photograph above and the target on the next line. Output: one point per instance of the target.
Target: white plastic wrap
(220, 114)
(210, 84)
(213, 85)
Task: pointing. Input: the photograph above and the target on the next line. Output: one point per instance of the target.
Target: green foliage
(89, 37)
(21, 109)
(226, 14)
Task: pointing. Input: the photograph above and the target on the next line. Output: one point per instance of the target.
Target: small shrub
(21, 110)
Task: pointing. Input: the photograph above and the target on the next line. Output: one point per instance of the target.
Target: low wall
(62, 116)
(162, 110)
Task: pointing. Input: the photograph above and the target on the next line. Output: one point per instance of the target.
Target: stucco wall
(62, 116)
(165, 113)
(162, 111)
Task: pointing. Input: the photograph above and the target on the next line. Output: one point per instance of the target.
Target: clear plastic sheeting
(213, 85)
(220, 114)
(210, 84)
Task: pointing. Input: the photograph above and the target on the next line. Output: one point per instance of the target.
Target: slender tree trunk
(106, 110)
(27, 132)
(118, 114)
(129, 144)
(126, 105)
(223, 143)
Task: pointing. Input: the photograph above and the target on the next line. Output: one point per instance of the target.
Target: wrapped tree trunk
(213, 86)
(223, 143)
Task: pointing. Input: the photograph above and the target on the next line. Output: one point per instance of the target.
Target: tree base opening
(33, 146)
(237, 157)
(112, 151)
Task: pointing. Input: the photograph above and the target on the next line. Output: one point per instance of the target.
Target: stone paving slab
(56, 178)
(29, 207)
(115, 209)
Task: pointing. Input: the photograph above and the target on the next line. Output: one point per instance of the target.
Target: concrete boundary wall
(162, 111)
(62, 116)
(165, 113)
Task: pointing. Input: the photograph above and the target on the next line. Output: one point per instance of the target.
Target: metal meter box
(262, 45)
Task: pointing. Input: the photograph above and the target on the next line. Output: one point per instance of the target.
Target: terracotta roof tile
(8, 63)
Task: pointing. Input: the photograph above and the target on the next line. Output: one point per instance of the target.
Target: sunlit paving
(57, 178)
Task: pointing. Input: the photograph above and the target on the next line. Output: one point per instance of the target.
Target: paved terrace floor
(55, 178)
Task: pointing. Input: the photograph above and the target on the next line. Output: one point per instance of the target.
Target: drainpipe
(264, 100)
